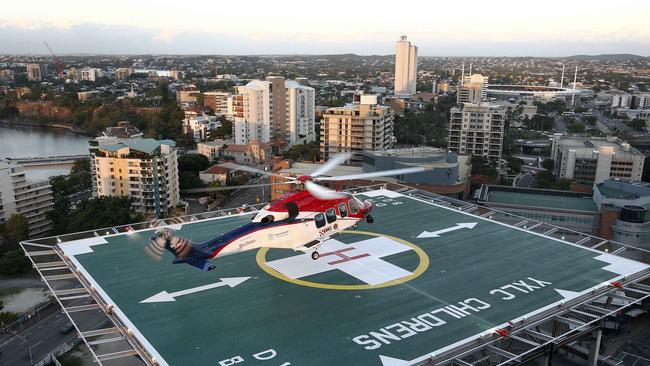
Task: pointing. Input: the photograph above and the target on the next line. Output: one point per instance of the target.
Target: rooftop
(147, 146)
(545, 198)
(283, 300)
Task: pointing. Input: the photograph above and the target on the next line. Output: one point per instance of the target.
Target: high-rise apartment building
(595, 159)
(31, 199)
(123, 73)
(274, 109)
(144, 169)
(477, 130)
(473, 90)
(355, 128)
(406, 68)
(34, 72)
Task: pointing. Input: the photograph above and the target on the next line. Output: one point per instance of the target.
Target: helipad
(422, 279)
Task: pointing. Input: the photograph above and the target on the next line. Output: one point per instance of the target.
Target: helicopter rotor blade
(235, 167)
(323, 193)
(332, 163)
(227, 188)
(383, 173)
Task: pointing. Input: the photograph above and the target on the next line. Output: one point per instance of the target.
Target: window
(331, 215)
(343, 210)
(320, 220)
(354, 208)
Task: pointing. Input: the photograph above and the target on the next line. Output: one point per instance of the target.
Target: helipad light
(563, 238)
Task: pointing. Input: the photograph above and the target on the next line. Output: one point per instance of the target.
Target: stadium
(434, 281)
(537, 92)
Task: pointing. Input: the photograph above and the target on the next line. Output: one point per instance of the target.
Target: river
(23, 142)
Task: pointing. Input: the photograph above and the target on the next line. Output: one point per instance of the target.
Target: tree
(189, 180)
(14, 263)
(540, 122)
(548, 164)
(309, 151)
(482, 166)
(194, 163)
(575, 127)
(637, 124)
(102, 212)
(14, 230)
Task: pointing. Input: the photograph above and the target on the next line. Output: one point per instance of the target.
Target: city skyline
(554, 29)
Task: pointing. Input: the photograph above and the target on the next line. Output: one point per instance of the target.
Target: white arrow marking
(389, 361)
(436, 234)
(568, 295)
(166, 297)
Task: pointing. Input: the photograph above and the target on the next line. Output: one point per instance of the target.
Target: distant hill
(609, 57)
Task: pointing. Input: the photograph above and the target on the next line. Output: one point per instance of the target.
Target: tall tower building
(406, 68)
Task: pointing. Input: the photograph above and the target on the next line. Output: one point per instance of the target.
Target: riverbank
(40, 124)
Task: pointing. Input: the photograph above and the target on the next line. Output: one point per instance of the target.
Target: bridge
(48, 161)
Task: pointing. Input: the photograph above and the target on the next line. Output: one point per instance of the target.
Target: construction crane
(56, 59)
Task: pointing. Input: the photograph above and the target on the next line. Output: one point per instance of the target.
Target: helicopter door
(292, 209)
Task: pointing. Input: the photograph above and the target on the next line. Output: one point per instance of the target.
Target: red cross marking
(344, 258)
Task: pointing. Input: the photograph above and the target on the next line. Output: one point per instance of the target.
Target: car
(67, 328)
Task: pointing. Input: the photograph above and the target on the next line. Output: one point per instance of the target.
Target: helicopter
(301, 221)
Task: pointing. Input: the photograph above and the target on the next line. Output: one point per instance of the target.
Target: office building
(20, 196)
(355, 128)
(595, 159)
(474, 89)
(624, 205)
(406, 68)
(477, 130)
(275, 110)
(34, 72)
(143, 169)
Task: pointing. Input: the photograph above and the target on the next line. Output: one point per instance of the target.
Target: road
(611, 123)
(44, 336)
(558, 123)
(250, 196)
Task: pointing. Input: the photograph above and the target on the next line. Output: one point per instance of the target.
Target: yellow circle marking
(422, 266)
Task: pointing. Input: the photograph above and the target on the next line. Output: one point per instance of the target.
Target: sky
(244, 27)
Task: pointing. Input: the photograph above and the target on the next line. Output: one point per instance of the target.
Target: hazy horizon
(505, 28)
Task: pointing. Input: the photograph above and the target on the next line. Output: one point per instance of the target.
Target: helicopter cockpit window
(320, 220)
(343, 210)
(331, 215)
(354, 208)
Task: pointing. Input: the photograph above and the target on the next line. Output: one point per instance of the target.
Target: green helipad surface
(404, 297)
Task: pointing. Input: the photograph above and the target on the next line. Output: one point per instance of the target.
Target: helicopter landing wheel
(354, 227)
(315, 255)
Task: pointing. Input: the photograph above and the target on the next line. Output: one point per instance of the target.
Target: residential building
(87, 95)
(123, 130)
(210, 149)
(31, 199)
(474, 89)
(7, 76)
(406, 68)
(144, 169)
(355, 128)
(90, 74)
(34, 72)
(274, 109)
(218, 102)
(200, 127)
(187, 94)
(595, 159)
(631, 101)
(214, 173)
(255, 152)
(123, 73)
(477, 130)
